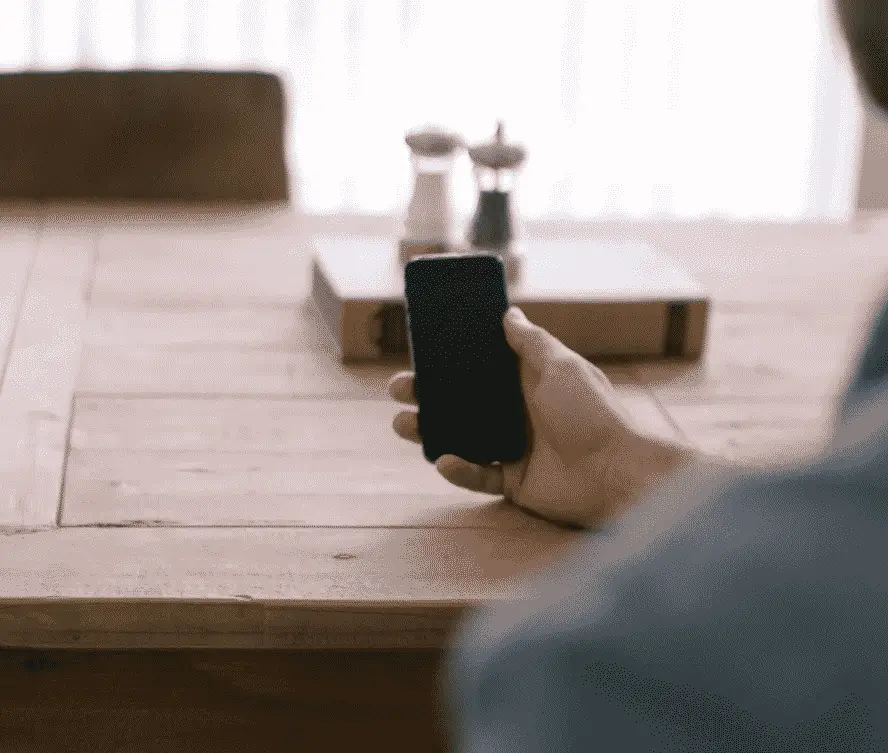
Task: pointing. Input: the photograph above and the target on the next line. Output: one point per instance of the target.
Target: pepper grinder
(495, 165)
(428, 225)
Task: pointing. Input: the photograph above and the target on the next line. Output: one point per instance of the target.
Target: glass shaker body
(492, 225)
(430, 212)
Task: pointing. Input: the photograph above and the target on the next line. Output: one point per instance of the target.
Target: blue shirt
(740, 612)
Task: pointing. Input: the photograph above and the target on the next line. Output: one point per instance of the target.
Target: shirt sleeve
(743, 613)
(871, 371)
(747, 618)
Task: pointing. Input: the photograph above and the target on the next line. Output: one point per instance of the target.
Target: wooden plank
(220, 701)
(330, 488)
(207, 348)
(241, 623)
(760, 433)
(17, 252)
(222, 372)
(79, 584)
(193, 326)
(760, 354)
(48, 339)
(269, 462)
(232, 425)
(793, 268)
(37, 392)
(212, 348)
(222, 263)
(267, 425)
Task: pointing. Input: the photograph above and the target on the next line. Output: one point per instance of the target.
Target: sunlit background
(635, 108)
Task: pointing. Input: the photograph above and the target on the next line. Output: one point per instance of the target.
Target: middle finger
(406, 426)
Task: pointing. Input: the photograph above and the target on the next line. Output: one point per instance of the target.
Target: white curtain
(738, 108)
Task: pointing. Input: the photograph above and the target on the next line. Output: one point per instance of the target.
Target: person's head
(864, 24)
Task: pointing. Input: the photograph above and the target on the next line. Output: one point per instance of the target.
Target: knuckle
(597, 374)
(564, 364)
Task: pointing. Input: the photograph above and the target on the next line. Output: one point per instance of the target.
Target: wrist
(638, 463)
(658, 459)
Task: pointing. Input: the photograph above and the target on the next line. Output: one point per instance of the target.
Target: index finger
(401, 388)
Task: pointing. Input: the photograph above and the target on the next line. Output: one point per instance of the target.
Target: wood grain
(220, 701)
(761, 354)
(77, 581)
(240, 622)
(778, 266)
(193, 326)
(260, 262)
(269, 462)
(761, 433)
(230, 424)
(17, 252)
(221, 372)
(326, 488)
(38, 388)
(268, 349)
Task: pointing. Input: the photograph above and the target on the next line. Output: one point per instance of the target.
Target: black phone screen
(468, 386)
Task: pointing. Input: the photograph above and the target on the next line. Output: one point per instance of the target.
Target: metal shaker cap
(433, 142)
(497, 154)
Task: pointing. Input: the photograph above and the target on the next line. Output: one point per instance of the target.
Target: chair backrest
(142, 135)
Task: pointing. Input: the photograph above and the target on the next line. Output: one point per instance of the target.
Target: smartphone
(468, 384)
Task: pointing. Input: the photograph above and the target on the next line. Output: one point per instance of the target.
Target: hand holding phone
(467, 382)
(586, 461)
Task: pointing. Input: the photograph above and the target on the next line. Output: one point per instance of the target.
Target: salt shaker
(428, 225)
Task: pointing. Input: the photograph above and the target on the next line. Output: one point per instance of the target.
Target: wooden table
(211, 539)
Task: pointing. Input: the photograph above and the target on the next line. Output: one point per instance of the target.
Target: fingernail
(445, 461)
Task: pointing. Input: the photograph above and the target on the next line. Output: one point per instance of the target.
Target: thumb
(531, 343)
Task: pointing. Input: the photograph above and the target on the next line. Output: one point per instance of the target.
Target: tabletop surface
(185, 463)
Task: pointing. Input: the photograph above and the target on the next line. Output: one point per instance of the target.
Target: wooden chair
(162, 136)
